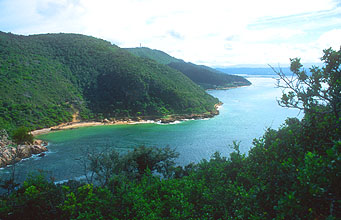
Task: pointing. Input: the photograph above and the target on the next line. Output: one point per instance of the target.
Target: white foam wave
(79, 178)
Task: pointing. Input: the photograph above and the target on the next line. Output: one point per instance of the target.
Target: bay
(246, 113)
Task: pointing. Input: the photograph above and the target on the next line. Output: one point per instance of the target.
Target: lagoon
(246, 113)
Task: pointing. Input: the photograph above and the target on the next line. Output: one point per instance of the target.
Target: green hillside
(157, 55)
(209, 78)
(206, 77)
(46, 78)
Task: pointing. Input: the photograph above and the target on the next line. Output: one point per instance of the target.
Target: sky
(217, 33)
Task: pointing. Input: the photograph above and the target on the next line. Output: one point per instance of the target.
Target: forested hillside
(46, 78)
(204, 76)
(209, 78)
(157, 55)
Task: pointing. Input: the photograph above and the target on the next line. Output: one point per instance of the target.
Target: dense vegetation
(47, 78)
(157, 55)
(209, 78)
(290, 173)
(204, 76)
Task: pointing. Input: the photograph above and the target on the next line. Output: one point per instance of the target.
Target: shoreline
(140, 120)
(128, 121)
(11, 153)
(227, 88)
(73, 125)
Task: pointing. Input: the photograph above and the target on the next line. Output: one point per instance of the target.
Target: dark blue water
(245, 115)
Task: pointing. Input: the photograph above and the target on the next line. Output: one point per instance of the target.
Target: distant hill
(206, 77)
(254, 71)
(46, 79)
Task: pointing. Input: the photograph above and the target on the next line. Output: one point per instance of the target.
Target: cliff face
(11, 153)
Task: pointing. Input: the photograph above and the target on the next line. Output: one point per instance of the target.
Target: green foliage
(204, 76)
(46, 78)
(106, 165)
(317, 93)
(87, 203)
(157, 55)
(160, 160)
(37, 198)
(290, 173)
(22, 136)
(209, 78)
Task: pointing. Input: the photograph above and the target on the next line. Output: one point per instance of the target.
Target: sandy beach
(78, 124)
(73, 125)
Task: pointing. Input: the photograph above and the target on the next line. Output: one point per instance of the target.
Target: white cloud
(216, 32)
(330, 39)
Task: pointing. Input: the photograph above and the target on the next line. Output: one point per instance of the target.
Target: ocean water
(246, 113)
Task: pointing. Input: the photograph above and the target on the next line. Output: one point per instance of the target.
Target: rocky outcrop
(11, 153)
(173, 118)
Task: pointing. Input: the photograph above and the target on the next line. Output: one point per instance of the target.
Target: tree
(103, 166)
(106, 165)
(22, 136)
(141, 159)
(318, 92)
(309, 149)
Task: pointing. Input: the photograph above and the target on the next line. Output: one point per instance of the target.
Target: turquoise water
(245, 115)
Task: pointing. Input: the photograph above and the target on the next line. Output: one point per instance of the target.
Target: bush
(22, 136)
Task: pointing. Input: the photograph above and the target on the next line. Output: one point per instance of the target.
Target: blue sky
(217, 33)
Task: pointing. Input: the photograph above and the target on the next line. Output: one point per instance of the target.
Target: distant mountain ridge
(45, 79)
(254, 70)
(206, 77)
